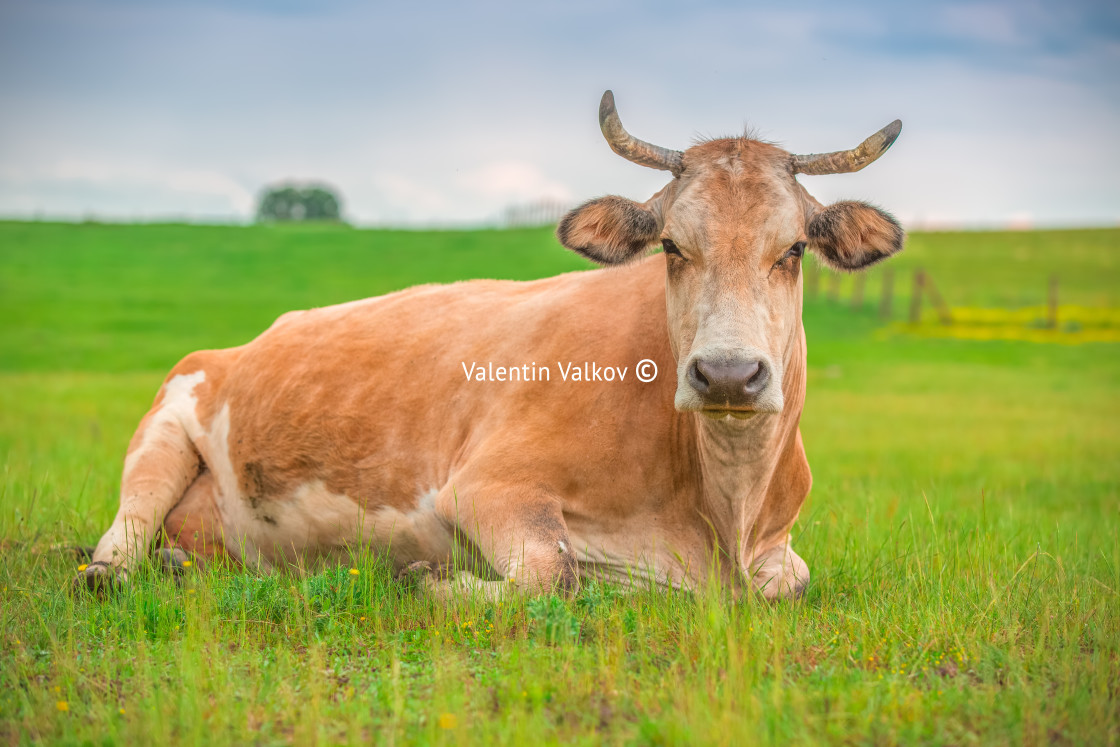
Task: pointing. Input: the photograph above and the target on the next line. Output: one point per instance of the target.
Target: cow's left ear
(853, 235)
(610, 230)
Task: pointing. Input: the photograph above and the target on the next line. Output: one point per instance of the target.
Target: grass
(962, 531)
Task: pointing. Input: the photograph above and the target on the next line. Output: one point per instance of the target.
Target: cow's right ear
(610, 230)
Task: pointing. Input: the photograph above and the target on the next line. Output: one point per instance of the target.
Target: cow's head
(734, 223)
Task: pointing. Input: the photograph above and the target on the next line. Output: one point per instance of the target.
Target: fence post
(1052, 304)
(857, 290)
(916, 296)
(888, 291)
(834, 286)
(943, 312)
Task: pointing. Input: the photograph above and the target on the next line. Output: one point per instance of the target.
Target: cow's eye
(797, 250)
(671, 248)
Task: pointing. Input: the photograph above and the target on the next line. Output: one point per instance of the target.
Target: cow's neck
(738, 460)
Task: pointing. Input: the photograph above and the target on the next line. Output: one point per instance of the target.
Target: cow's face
(734, 225)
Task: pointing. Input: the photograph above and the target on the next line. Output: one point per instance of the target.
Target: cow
(470, 432)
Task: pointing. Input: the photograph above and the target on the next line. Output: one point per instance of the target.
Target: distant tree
(289, 202)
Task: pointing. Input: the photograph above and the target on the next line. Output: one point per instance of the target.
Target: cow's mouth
(719, 413)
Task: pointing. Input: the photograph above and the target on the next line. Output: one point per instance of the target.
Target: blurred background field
(966, 499)
(111, 297)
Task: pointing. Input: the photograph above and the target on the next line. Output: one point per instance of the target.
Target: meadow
(962, 531)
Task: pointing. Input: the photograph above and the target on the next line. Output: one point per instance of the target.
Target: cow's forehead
(735, 190)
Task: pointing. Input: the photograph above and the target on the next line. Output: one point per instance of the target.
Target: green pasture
(963, 531)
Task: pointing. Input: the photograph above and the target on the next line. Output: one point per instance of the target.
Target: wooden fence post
(833, 286)
(943, 312)
(857, 290)
(888, 290)
(916, 296)
(1052, 304)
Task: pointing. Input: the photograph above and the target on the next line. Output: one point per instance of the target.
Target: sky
(431, 113)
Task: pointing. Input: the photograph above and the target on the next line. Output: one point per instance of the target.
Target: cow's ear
(610, 230)
(853, 235)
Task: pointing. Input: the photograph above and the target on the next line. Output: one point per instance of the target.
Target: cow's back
(372, 399)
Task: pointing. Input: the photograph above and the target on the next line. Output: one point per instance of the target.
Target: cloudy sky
(442, 113)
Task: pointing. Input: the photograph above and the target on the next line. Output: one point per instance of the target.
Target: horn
(630, 147)
(846, 161)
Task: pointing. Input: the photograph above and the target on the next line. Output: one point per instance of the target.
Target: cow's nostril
(697, 378)
(758, 380)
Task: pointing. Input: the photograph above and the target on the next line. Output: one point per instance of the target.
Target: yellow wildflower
(187, 564)
(354, 571)
(62, 705)
(447, 721)
(82, 567)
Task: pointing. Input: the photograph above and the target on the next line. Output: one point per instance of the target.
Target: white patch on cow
(314, 523)
(237, 517)
(215, 452)
(178, 406)
(309, 523)
(426, 501)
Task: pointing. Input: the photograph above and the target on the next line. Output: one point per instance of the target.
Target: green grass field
(962, 532)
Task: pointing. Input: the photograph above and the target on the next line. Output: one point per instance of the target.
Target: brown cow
(505, 423)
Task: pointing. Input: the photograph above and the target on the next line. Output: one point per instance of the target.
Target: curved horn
(630, 147)
(845, 161)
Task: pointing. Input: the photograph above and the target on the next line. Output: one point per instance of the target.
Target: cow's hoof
(414, 571)
(419, 576)
(173, 560)
(780, 574)
(100, 578)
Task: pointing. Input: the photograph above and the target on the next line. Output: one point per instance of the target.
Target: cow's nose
(734, 382)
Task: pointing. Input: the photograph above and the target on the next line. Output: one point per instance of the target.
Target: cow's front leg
(517, 531)
(780, 573)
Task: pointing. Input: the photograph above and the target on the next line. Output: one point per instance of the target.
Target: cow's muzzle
(729, 385)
